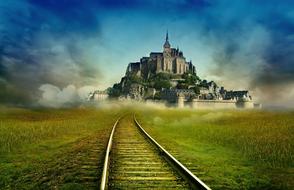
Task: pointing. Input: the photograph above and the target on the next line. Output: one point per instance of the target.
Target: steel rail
(194, 181)
(104, 177)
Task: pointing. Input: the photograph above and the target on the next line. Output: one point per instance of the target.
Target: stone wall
(181, 101)
(100, 96)
(212, 104)
(245, 104)
(220, 104)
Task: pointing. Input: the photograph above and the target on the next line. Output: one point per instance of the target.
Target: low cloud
(254, 50)
(40, 45)
(238, 61)
(52, 96)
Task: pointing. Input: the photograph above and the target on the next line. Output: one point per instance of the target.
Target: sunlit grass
(262, 141)
(19, 126)
(228, 149)
(40, 149)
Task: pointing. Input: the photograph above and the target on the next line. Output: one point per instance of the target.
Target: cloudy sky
(55, 49)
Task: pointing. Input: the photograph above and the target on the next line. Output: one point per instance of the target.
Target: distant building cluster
(171, 60)
(167, 76)
(211, 91)
(98, 96)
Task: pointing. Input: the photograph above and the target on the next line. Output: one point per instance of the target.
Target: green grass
(41, 149)
(229, 149)
(19, 127)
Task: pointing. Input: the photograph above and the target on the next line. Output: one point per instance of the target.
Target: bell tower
(166, 46)
(167, 65)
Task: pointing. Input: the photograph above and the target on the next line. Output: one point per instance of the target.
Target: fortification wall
(218, 104)
(181, 101)
(212, 104)
(246, 104)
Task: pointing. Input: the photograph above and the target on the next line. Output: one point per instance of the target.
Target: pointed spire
(166, 44)
(166, 38)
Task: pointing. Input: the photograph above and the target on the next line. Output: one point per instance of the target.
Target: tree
(182, 85)
(158, 85)
(196, 89)
(115, 91)
(190, 79)
(159, 81)
(135, 79)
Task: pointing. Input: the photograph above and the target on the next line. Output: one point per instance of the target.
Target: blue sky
(242, 44)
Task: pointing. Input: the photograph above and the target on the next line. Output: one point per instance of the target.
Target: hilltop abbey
(171, 60)
(168, 78)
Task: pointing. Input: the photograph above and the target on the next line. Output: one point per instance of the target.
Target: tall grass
(262, 136)
(19, 127)
(206, 139)
(228, 149)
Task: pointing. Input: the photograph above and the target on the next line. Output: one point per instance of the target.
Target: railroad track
(134, 160)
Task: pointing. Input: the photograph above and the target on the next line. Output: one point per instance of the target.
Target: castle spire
(166, 44)
(166, 38)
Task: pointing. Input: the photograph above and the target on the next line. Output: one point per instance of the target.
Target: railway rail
(134, 160)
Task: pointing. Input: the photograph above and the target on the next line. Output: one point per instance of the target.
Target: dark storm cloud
(40, 44)
(254, 45)
(280, 55)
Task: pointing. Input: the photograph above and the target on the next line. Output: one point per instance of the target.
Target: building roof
(156, 53)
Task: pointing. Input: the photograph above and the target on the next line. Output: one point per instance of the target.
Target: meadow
(229, 149)
(52, 148)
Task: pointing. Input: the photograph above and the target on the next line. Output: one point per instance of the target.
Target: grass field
(63, 149)
(229, 149)
(44, 149)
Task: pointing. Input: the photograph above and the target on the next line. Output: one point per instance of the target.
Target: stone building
(98, 96)
(238, 95)
(172, 95)
(171, 60)
(209, 91)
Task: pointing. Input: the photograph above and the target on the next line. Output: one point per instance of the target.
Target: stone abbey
(171, 60)
(166, 77)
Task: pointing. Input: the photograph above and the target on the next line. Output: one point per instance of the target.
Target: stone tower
(170, 60)
(167, 59)
(166, 46)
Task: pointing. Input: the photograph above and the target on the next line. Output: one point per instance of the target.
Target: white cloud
(52, 96)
